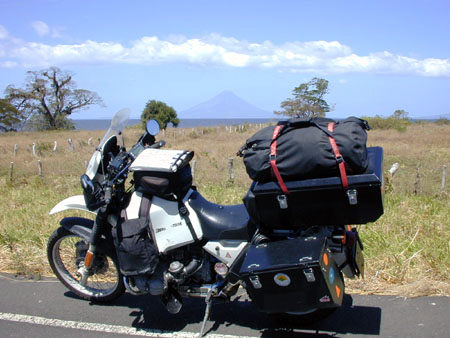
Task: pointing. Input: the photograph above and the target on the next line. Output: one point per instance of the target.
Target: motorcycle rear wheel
(66, 252)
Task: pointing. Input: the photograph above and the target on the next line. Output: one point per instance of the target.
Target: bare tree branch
(52, 94)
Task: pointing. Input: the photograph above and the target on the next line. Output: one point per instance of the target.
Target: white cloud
(323, 57)
(3, 33)
(41, 28)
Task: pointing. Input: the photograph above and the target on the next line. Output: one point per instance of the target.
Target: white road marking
(105, 328)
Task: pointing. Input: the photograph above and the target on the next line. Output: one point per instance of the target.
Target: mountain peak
(225, 105)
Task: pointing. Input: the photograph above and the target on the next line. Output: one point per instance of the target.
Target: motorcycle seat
(221, 222)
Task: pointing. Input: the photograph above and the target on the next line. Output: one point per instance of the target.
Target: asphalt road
(45, 308)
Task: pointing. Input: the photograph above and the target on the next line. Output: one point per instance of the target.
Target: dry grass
(406, 251)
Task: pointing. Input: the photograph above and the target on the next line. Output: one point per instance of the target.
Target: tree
(400, 114)
(160, 112)
(10, 117)
(307, 101)
(50, 96)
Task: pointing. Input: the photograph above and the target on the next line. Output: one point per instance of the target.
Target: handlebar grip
(158, 145)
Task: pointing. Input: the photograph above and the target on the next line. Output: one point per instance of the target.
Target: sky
(378, 56)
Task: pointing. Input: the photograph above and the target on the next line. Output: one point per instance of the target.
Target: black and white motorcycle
(155, 234)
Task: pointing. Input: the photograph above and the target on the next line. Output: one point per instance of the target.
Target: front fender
(83, 228)
(78, 226)
(75, 202)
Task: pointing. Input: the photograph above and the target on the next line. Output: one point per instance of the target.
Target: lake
(184, 123)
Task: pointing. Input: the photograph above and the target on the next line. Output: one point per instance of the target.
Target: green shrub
(443, 121)
(378, 122)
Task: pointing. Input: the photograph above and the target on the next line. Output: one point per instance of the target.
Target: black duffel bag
(302, 149)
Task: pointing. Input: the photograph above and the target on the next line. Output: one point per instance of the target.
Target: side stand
(208, 301)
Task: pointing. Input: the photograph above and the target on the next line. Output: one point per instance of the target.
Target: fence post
(444, 174)
(40, 167)
(231, 169)
(16, 148)
(71, 148)
(417, 182)
(394, 169)
(34, 150)
(11, 169)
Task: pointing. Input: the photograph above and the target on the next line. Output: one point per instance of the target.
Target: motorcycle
(155, 234)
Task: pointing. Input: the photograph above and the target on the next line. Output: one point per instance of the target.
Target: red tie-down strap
(338, 156)
(273, 158)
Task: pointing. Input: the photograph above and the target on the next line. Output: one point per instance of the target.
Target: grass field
(407, 250)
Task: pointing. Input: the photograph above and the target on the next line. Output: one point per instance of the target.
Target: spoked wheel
(66, 252)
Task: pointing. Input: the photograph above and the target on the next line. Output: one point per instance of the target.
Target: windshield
(118, 123)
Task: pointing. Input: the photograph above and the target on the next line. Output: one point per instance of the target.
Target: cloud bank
(323, 57)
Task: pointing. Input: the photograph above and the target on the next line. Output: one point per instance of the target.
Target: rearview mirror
(152, 127)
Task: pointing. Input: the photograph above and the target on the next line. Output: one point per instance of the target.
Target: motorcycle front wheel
(66, 252)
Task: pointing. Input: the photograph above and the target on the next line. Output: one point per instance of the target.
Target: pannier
(163, 173)
(319, 201)
(301, 148)
(291, 275)
(135, 249)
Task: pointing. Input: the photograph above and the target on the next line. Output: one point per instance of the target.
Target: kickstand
(208, 301)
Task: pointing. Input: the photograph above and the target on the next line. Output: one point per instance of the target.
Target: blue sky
(378, 56)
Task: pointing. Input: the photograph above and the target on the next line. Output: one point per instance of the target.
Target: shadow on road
(150, 314)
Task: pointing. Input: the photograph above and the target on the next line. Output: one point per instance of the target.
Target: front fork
(99, 225)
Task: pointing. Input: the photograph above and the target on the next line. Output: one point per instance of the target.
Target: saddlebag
(319, 201)
(293, 275)
(135, 249)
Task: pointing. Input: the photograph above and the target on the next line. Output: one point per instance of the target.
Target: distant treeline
(399, 124)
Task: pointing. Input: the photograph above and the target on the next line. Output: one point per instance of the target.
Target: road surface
(45, 308)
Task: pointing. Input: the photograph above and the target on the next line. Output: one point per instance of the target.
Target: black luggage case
(293, 275)
(321, 201)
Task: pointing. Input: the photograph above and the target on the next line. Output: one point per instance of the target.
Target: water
(184, 123)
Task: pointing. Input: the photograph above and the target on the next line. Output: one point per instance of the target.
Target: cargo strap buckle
(339, 159)
(184, 211)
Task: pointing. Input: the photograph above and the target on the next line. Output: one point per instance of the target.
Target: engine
(180, 267)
